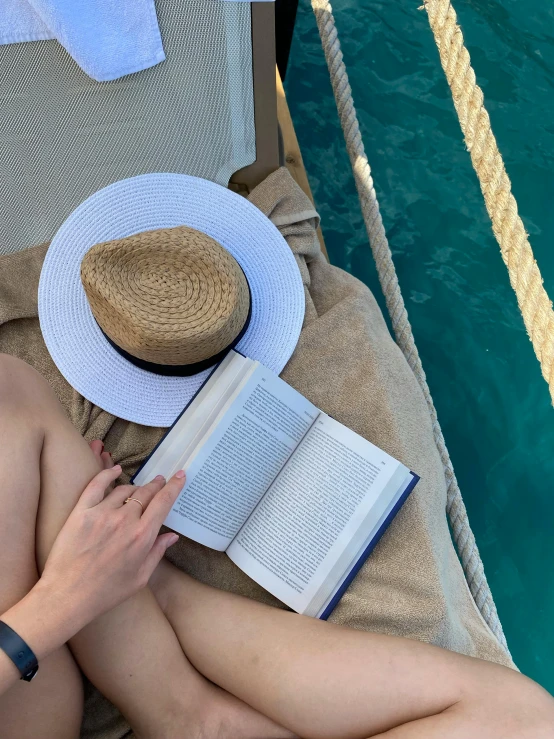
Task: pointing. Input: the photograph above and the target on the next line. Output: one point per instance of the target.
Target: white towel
(107, 38)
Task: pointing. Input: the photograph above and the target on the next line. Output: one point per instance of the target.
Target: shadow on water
(493, 404)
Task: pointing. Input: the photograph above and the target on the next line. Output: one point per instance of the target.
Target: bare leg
(323, 681)
(131, 653)
(55, 695)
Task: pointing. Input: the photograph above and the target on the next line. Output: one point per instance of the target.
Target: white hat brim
(144, 203)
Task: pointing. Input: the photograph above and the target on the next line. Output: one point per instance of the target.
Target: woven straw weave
(171, 296)
(148, 203)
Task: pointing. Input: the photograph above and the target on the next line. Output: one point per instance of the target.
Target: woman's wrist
(43, 619)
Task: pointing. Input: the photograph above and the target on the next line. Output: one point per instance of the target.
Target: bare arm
(43, 623)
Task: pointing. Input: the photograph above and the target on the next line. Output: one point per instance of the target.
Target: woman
(178, 658)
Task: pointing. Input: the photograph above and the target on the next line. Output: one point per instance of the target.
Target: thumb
(95, 490)
(159, 548)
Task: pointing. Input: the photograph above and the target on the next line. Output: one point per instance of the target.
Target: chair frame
(265, 98)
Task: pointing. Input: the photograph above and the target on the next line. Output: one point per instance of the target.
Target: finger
(163, 501)
(107, 460)
(93, 494)
(159, 548)
(97, 447)
(144, 493)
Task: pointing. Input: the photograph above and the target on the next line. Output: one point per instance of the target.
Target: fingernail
(173, 540)
(159, 478)
(116, 467)
(180, 474)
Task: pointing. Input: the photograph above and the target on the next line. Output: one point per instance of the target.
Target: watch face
(28, 676)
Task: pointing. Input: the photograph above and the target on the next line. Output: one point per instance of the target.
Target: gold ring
(136, 500)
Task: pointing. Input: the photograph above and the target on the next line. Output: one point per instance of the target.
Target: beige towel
(348, 365)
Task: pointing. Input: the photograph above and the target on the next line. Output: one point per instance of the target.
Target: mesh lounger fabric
(412, 585)
(64, 136)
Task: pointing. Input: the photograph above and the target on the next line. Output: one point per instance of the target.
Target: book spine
(160, 442)
(367, 551)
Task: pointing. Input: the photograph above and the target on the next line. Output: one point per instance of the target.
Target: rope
(525, 276)
(462, 534)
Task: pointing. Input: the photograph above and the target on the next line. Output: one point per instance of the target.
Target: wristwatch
(19, 652)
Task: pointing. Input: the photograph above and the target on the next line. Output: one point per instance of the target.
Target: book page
(313, 512)
(174, 449)
(361, 546)
(242, 454)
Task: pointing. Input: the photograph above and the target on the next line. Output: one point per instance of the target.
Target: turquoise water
(493, 404)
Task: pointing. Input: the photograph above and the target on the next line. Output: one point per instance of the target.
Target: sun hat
(158, 274)
(168, 300)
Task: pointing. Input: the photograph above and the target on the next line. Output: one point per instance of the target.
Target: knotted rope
(463, 536)
(525, 276)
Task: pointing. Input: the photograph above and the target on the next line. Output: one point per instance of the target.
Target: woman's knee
(15, 375)
(514, 707)
(21, 386)
(534, 709)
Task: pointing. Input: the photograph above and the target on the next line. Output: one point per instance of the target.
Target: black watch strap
(19, 652)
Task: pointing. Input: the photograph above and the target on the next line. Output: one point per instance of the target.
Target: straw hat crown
(172, 296)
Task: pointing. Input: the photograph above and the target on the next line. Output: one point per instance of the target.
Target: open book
(294, 498)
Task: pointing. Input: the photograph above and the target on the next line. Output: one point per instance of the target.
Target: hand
(105, 460)
(107, 550)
